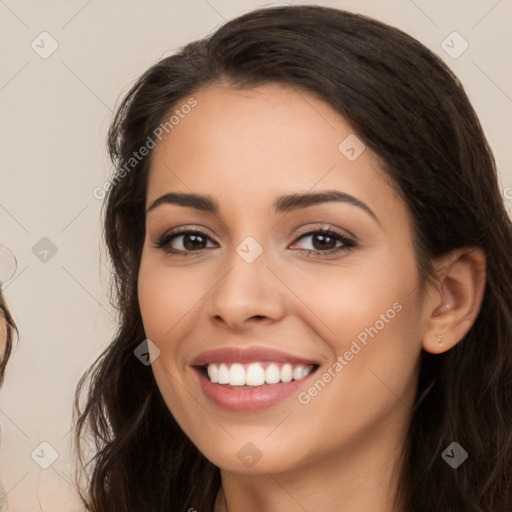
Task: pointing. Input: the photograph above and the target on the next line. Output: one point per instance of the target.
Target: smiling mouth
(256, 374)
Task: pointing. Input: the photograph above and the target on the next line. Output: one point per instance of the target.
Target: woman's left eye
(323, 240)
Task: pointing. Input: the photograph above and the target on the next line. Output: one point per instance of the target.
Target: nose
(247, 294)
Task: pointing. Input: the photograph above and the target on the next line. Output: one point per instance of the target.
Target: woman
(7, 328)
(341, 340)
(8, 265)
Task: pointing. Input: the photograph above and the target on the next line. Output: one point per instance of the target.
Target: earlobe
(455, 305)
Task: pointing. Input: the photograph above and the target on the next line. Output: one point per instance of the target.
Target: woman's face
(263, 294)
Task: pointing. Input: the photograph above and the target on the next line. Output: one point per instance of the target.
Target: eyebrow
(283, 204)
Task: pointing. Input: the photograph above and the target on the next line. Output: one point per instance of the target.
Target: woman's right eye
(191, 241)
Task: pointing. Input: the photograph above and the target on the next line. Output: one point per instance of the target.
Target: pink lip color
(237, 399)
(248, 400)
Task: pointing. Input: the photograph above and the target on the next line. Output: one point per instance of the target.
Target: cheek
(372, 315)
(372, 375)
(166, 297)
(347, 300)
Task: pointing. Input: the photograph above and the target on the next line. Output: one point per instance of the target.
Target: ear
(454, 303)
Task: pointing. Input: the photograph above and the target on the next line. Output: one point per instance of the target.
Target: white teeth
(237, 375)
(213, 373)
(272, 374)
(223, 375)
(298, 372)
(255, 375)
(287, 373)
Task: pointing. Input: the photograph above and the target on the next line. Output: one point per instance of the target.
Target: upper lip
(247, 355)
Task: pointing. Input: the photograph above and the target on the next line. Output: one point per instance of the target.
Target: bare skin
(337, 451)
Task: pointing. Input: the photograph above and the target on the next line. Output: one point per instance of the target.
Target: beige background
(55, 113)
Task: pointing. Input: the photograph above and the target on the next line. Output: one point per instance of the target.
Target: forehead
(250, 146)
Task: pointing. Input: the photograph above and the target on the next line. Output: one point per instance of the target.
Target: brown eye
(324, 241)
(190, 241)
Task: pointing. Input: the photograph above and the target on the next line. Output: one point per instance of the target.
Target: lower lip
(247, 400)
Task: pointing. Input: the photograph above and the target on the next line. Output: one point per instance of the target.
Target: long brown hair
(409, 108)
(10, 329)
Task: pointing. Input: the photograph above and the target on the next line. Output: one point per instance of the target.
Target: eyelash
(164, 242)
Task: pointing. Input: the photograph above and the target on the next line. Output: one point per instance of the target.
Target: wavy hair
(413, 113)
(10, 329)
